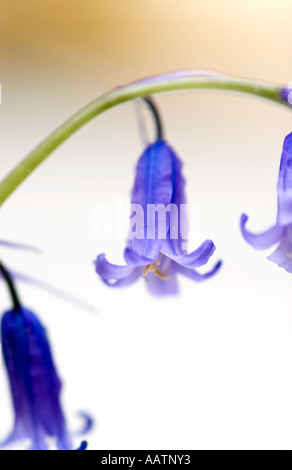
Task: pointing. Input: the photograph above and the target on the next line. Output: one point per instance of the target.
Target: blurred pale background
(211, 369)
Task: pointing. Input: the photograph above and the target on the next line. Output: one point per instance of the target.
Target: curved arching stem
(177, 81)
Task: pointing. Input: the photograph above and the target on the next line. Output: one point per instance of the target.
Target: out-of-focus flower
(19, 246)
(281, 232)
(286, 95)
(34, 382)
(83, 446)
(156, 246)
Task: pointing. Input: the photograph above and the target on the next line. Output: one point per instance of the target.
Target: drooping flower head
(34, 382)
(156, 247)
(281, 232)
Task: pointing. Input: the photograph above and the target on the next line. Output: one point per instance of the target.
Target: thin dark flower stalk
(155, 113)
(11, 287)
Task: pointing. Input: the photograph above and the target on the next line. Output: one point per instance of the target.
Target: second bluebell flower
(156, 248)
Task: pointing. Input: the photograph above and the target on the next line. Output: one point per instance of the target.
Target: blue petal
(83, 446)
(127, 281)
(286, 95)
(263, 240)
(282, 256)
(197, 258)
(114, 275)
(35, 385)
(88, 423)
(198, 277)
(178, 230)
(133, 259)
(153, 186)
(160, 287)
(285, 184)
(109, 271)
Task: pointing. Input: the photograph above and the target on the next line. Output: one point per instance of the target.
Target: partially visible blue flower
(83, 446)
(281, 232)
(34, 382)
(286, 95)
(156, 256)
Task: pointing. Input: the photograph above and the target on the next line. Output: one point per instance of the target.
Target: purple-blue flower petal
(109, 271)
(87, 425)
(35, 385)
(264, 240)
(83, 446)
(127, 281)
(132, 259)
(197, 258)
(286, 95)
(176, 239)
(160, 287)
(195, 275)
(153, 186)
(284, 216)
(114, 275)
(282, 256)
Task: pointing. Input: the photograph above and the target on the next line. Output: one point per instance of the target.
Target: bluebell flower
(156, 251)
(281, 233)
(34, 382)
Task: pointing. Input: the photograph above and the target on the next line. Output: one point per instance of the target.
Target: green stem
(161, 84)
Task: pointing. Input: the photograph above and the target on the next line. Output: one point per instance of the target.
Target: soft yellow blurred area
(131, 38)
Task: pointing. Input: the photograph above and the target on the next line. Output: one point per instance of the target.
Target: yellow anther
(152, 268)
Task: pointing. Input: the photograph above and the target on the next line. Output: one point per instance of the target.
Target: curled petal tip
(109, 271)
(210, 245)
(218, 265)
(213, 271)
(114, 275)
(197, 258)
(243, 219)
(83, 446)
(264, 240)
(88, 423)
(198, 277)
